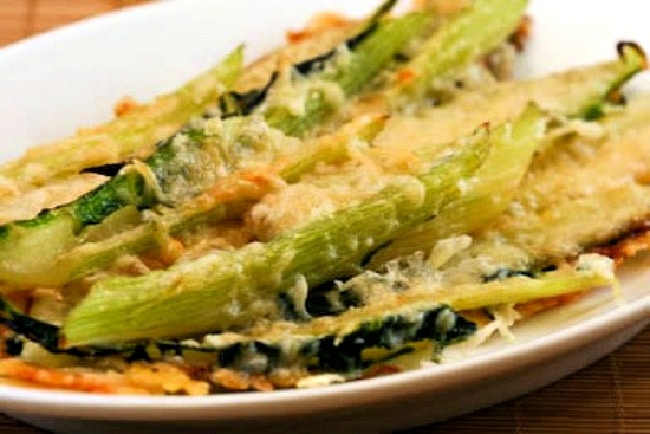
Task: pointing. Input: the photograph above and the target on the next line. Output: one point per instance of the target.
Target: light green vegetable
(459, 41)
(184, 166)
(132, 135)
(575, 92)
(128, 232)
(393, 323)
(221, 290)
(324, 93)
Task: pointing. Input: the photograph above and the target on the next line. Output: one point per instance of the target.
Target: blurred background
(21, 18)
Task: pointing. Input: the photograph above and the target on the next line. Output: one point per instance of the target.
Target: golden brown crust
(232, 380)
(136, 379)
(633, 242)
(124, 106)
(381, 369)
(441, 7)
(531, 308)
(317, 25)
(522, 33)
(315, 38)
(636, 240)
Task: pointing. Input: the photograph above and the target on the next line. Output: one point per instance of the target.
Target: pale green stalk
(127, 231)
(131, 135)
(350, 75)
(457, 43)
(226, 289)
(574, 92)
(486, 195)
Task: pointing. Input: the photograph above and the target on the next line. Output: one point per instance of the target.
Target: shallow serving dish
(65, 79)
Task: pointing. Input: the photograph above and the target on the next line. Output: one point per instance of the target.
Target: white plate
(52, 84)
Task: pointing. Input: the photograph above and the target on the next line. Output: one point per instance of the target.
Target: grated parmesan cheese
(322, 380)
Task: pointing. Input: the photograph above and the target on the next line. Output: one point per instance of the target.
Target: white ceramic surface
(52, 84)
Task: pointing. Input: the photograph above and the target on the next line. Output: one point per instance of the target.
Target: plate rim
(128, 407)
(18, 399)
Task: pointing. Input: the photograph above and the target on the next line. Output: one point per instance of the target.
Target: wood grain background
(611, 396)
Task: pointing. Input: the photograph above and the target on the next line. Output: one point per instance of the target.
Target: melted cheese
(316, 38)
(29, 204)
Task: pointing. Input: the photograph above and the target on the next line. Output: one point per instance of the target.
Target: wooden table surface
(611, 396)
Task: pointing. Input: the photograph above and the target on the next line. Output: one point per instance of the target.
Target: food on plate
(346, 206)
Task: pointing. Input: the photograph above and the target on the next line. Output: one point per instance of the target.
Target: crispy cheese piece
(139, 378)
(627, 246)
(28, 205)
(317, 37)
